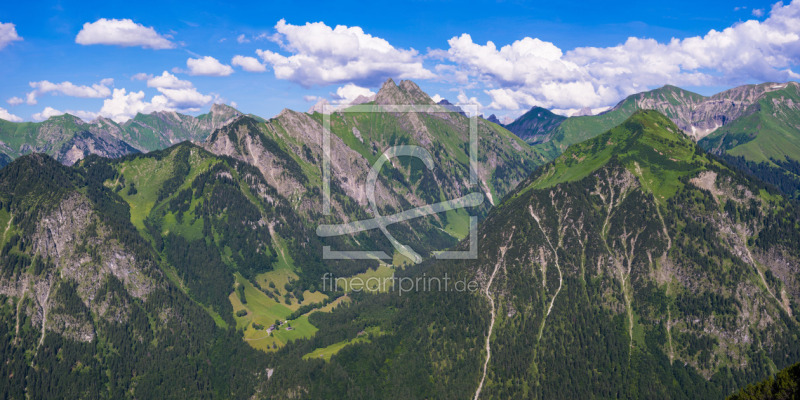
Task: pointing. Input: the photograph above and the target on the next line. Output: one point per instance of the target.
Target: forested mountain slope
(633, 266)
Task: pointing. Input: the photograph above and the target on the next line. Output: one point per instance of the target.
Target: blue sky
(560, 55)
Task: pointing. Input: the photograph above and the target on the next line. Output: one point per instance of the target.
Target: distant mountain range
(68, 139)
(756, 127)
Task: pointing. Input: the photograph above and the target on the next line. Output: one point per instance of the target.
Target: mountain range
(68, 138)
(179, 256)
(754, 126)
(633, 266)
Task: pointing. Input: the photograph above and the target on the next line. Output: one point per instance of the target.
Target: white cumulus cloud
(321, 55)
(46, 113)
(174, 95)
(4, 114)
(168, 81)
(185, 99)
(122, 32)
(349, 93)
(532, 72)
(123, 106)
(52, 112)
(208, 66)
(141, 76)
(249, 64)
(66, 88)
(467, 101)
(8, 34)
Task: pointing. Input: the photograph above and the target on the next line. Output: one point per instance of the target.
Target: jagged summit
(222, 108)
(318, 107)
(406, 93)
(361, 99)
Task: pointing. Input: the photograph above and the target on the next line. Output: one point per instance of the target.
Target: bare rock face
(85, 143)
(68, 139)
(69, 231)
(77, 328)
(81, 256)
(347, 166)
(415, 94)
(318, 107)
(221, 115)
(57, 233)
(361, 99)
(243, 141)
(699, 116)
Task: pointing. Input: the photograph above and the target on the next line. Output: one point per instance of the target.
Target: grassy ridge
(648, 144)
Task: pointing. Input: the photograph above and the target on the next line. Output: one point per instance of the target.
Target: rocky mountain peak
(583, 112)
(224, 109)
(318, 107)
(406, 93)
(388, 84)
(415, 93)
(389, 94)
(361, 99)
